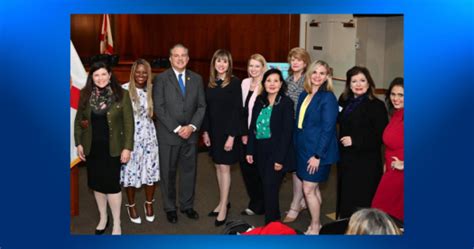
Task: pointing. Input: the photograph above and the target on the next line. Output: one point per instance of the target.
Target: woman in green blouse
(270, 139)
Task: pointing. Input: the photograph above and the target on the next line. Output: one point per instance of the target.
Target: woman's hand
(245, 139)
(206, 139)
(249, 159)
(346, 141)
(313, 165)
(397, 164)
(277, 167)
(125, 156)
(80, 152)
(229, 143)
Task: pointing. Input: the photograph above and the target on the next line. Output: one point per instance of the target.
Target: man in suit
(179, 104)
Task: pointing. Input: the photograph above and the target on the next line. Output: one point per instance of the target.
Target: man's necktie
(181, 84)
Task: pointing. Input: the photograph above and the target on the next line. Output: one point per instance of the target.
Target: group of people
(142, 132)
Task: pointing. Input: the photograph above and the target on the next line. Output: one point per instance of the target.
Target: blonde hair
(371, 221)
(327, 86)
(132, 88)
(300, 54)
(261, 59)
(225, 55)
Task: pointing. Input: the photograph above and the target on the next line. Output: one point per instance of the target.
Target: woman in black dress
(103, 133)
(361, 123)
(222, 124)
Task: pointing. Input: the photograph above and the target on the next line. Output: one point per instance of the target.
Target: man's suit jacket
(173, 109)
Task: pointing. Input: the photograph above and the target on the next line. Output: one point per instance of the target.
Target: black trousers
(271, 179)
(253, 185)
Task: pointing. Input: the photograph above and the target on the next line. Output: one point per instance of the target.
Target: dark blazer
(318, 136)
(281, 127)
(121, 126)
(360, 167)
(173, 109)
(365, 125)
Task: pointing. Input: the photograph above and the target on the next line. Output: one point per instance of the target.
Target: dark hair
(355, 71)
(264, 95)
(398, 81)
(178, 45)
(114, 84)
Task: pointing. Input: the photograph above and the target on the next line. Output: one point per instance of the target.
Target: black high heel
(214, 214)
(218, 223)
(102, 231)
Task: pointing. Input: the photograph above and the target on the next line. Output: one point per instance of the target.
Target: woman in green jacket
(103, 133)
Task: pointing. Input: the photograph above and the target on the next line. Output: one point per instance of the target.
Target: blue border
(34, 50)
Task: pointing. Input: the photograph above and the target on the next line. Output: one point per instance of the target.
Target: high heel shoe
(152, 217)
(102, 231)
(219, 223)
(289, 218)
(137, 220)
(214, 213)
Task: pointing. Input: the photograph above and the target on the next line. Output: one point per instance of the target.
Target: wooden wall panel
(85, 31)
(151, 36)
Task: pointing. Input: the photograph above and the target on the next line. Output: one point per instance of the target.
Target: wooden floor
(206, 199)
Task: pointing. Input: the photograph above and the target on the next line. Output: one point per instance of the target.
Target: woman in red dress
(389, 195)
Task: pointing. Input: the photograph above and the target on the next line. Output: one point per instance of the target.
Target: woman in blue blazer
(269, 142)
(315, 136)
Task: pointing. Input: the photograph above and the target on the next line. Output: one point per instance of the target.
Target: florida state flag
(106, 42)
(77, 82)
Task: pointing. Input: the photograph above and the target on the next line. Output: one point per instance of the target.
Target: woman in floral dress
(143, 167)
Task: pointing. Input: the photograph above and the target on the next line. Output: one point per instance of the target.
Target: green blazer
(121, 126)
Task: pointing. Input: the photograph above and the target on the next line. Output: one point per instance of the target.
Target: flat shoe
(247, 212)
(288, 218)
(172, 217)
(311, 232)
(191, 213)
